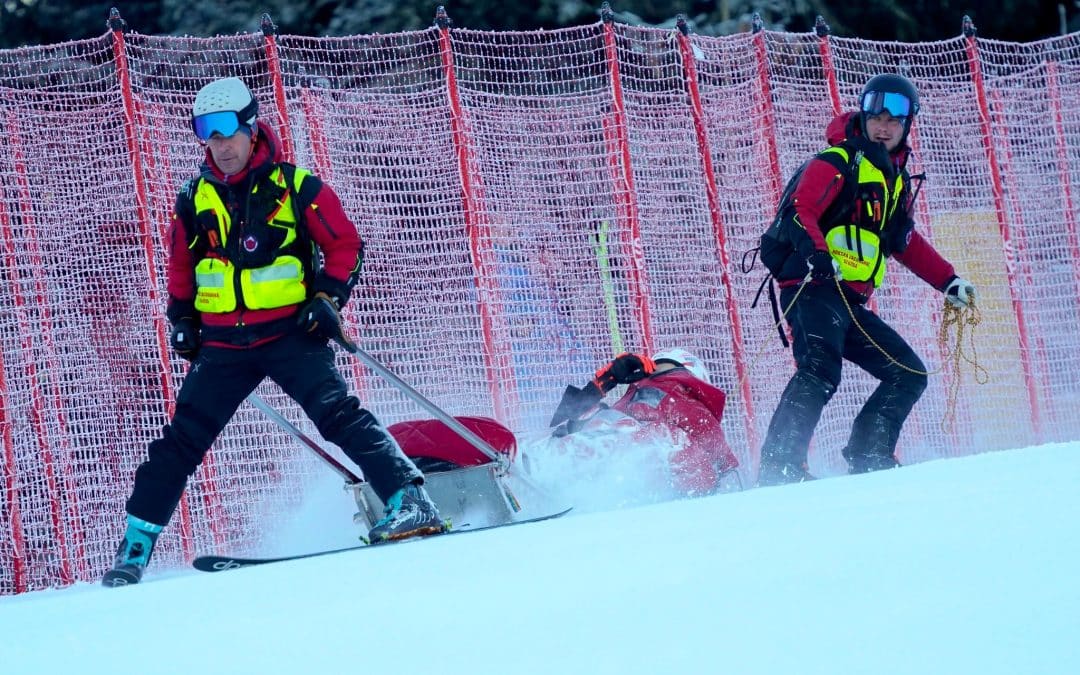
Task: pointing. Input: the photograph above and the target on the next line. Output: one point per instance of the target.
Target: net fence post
(828, 68)
(497, 363)
(142, 212)
(626, 196)
(15, 532)
(273, 60)
(697, 111)
(975, 69)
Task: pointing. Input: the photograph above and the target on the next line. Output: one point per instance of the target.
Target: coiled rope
(955, 322)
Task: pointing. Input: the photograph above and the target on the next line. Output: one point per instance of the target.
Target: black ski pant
(824, 333)
(217, 383)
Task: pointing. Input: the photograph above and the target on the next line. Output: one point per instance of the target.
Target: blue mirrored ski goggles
(225, 123)
(877, 102)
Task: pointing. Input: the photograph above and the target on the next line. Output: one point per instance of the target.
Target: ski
(222, 563)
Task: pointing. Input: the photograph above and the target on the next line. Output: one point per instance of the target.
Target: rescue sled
(468, 486)
(466, 463)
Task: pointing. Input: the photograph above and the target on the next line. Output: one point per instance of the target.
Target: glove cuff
(322, 295)
(339, 291)
(178, 310)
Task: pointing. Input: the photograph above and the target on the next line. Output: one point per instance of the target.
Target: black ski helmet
(889, 92)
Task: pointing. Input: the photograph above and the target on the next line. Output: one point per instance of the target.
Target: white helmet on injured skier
(677, 356)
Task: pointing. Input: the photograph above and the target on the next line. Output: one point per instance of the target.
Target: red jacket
(818, 188)
(327, 225)
(678, 400)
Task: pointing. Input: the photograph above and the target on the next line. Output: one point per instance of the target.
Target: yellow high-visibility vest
(856, 245)
(222, 286)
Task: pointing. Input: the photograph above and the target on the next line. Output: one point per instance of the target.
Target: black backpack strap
(777, 318)
(753, 255)
(303, 194)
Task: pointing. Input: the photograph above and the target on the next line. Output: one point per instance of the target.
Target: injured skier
(661, 440)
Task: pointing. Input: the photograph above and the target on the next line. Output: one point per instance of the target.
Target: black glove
(185, 338)
(575, 403)
(626, 368)
(823, 266)
(320, 317)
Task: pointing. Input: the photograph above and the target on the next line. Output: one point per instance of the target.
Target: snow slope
(956, 566)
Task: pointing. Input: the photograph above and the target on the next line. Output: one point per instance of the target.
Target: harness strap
(775, 304)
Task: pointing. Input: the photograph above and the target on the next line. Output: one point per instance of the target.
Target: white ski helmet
(684, 358)
(222, 106)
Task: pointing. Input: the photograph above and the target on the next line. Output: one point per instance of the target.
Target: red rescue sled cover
(433, 440)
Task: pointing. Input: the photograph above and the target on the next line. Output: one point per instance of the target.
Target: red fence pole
(11, 483)
(627, 194)
(822, 30)
(975, 66)
(273, 60)
(715, 217)
(1053, 86)
(496, 362)
(1016, 218)
(767, 112)
(142, 213)
(38, 406)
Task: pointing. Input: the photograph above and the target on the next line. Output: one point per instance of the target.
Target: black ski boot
(872, 444)
(409, 513)
(133, 554)
(781, 473)
(783, 455)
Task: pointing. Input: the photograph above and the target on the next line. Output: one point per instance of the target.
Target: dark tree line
(33, 22)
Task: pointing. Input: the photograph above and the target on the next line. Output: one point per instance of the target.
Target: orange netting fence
(533, 203)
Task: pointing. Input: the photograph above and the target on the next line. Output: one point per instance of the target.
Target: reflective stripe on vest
(858, 249)
(278, 284)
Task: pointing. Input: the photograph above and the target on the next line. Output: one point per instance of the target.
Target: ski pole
(350, 477)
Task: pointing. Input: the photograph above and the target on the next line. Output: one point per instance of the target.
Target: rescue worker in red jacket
(852, 212)
(250, 299)
(669, 406)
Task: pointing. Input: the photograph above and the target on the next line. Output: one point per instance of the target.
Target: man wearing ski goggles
(848, 212)
(261, 259)
(224, 123)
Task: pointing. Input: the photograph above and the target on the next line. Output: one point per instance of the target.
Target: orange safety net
(533, 203)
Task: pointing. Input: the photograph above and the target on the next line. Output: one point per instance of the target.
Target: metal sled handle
(350, 477)
(461, 430)
(502, 464)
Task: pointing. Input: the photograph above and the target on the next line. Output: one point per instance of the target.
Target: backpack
(778, 243)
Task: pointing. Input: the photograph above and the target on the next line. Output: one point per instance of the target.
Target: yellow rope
(851, 313)
(966, 318)
(963, 319)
